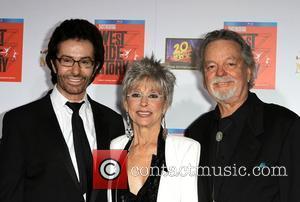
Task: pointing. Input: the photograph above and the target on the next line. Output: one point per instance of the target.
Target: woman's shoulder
(182, 150)
(119, 142)
(182, 141)
(182, 145)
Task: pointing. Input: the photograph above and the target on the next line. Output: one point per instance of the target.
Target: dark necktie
(82, 150)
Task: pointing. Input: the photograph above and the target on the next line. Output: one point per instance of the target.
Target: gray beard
(225, 95)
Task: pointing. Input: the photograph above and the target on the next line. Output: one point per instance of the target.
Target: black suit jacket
(270, 137)
(35, 165)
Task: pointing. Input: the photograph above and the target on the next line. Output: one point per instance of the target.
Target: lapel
(56, 133)
(205, 134)
(102, 139)
(122, 142)
(101, 127)
(103, 142)
(167, 182)
(248, 145)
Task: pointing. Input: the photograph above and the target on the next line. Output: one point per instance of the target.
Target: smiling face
(146, 112)
(225, 74)
(73, 81)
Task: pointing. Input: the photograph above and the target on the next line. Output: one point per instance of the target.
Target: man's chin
(223, 96)
(74, 91)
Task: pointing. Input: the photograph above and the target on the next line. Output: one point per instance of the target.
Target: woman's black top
(148, 192)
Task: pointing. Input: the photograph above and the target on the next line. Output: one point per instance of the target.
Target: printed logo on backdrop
(262, 37)
(123, 42)
(11, 45)
(182, 53)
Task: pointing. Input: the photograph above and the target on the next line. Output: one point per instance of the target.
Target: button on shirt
(64, 116)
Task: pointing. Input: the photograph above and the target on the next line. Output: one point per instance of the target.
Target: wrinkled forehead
(145, 84)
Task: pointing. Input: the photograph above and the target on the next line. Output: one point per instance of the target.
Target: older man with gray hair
(250, 147)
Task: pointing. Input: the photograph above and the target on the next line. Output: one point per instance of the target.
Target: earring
(128, 131)
(165, 130)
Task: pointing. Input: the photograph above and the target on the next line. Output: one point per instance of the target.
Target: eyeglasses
(69, 62)
(137, 96)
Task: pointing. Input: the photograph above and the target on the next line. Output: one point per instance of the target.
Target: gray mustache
(222, 79)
